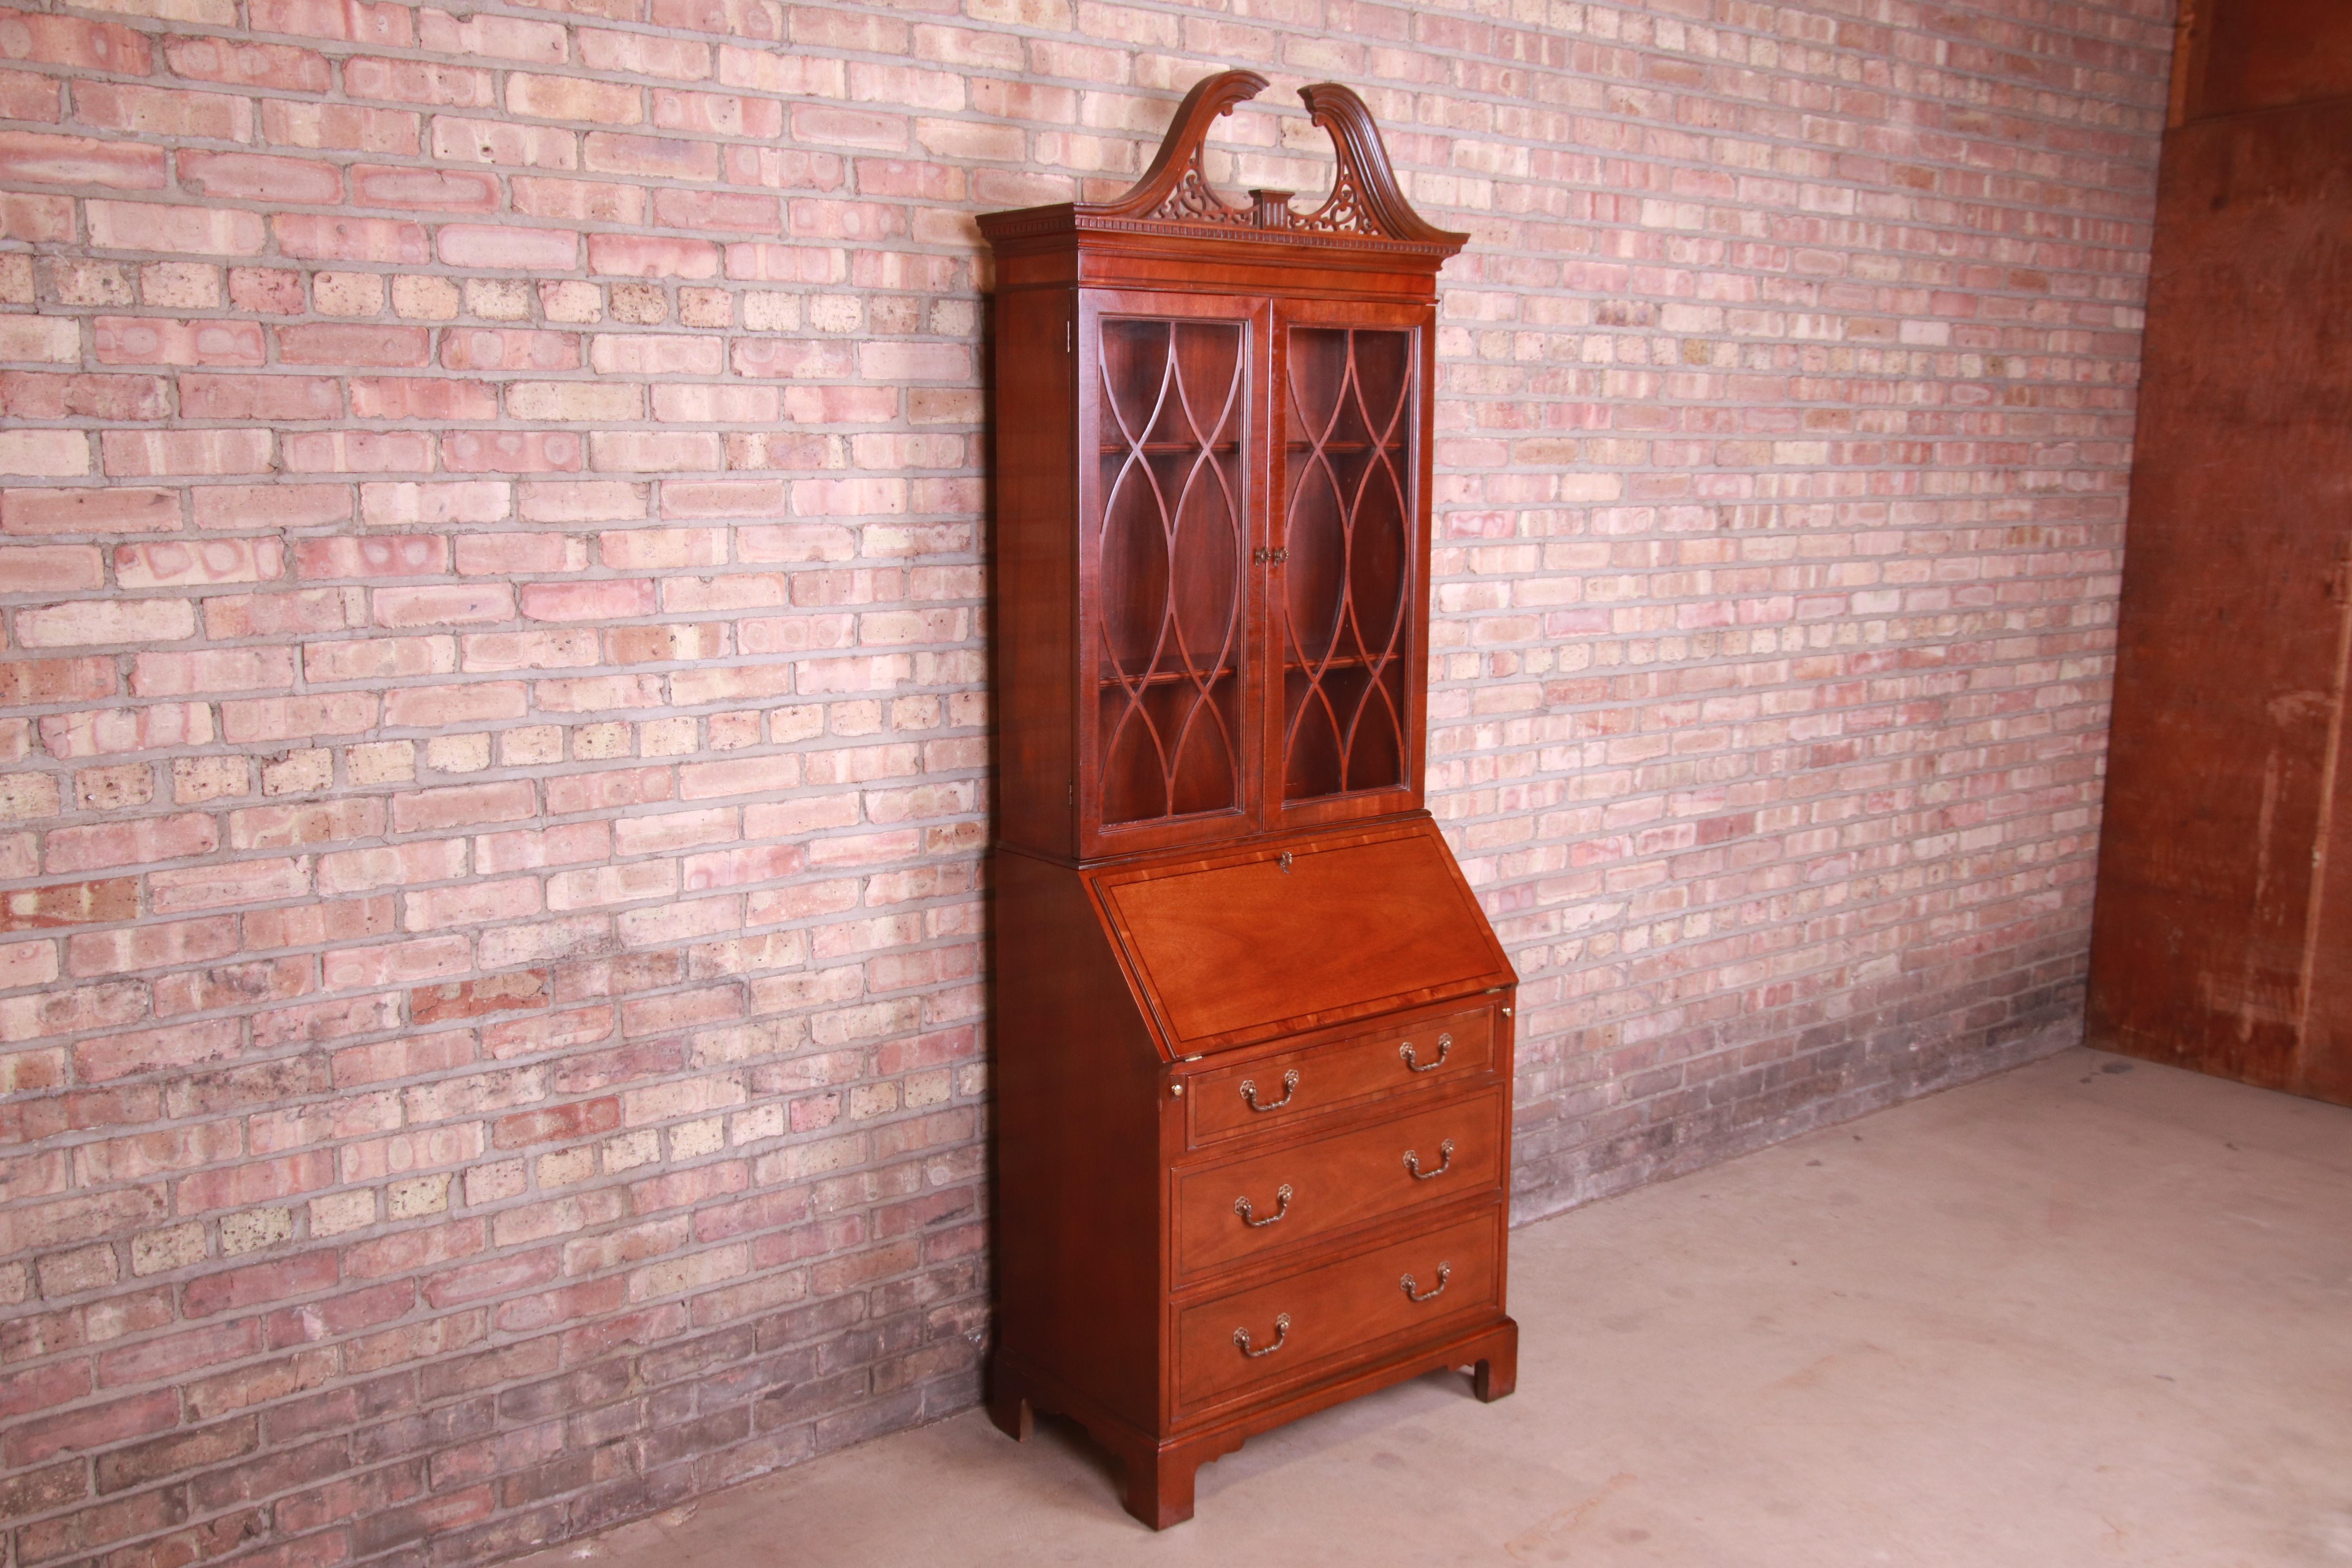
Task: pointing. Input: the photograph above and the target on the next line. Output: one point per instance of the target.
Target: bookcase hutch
(1251, 1031)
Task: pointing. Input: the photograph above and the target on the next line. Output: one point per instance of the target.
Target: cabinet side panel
(1077, 1119)
(1035, 559)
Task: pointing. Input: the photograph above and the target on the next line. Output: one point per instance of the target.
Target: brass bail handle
(1281, 1332)
(1444, 1163)
(1413, 1292)
(1444, 1050)
(1289, 1087)
(1281, 1207)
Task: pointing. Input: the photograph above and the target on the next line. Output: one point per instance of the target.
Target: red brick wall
(490, 537)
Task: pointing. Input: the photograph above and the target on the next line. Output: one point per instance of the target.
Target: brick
(422, 397)
(346, 21)
(153, 340)
(500, 142)
(259, 1283)
(164, 111)
(507, 38)
(142, 454)
(28, 97)
(721, 210)
(110, 621)
(717, 114)
(245, 63)
(90, 1426)
(254, 176)
(573, 97)
(439, 190)
(654, 353)
(105, 845)
(44, 454)
(357, 451)
(53, 569)
(579, 201)
(270, 291)
(69, 41)
(271, 506)
(80, 161)
(653, 451)
(418, 81)
(165, 1456)
(758, 19)
(273, 397)
(537, 249)
(340, 345)
(30, 396)
(75, 281)
(470, 348)
(39, 339)
(201, 231)
(224, 669)
(639, 256)
(292, 122)
(320, 238)
(640, 54)
(662, 157)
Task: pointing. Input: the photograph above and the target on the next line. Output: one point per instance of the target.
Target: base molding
(1160, 1470)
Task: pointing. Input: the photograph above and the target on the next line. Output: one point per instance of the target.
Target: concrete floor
(2088, 1312)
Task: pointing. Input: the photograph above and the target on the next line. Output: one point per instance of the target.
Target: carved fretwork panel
(1195, 200)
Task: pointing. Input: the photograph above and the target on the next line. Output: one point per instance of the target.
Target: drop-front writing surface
(1251, 1029)
(1275, 940)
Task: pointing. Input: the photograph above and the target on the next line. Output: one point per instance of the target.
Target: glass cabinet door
(1346, 612)
(1171, 389)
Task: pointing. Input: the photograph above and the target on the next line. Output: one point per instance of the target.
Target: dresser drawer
(1248, 1208)
(1240, 1343)
(1276, 1091)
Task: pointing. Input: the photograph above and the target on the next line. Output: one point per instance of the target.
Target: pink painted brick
(45, 158)
(327, 237)
(185, 230)
(647, 255)
(537, 249)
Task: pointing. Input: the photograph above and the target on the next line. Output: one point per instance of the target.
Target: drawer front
(1275, 1092)
(1273, 1333)
(1244, 1209)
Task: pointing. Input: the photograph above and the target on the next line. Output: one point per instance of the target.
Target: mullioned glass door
(1171, 495)
(1347, 613)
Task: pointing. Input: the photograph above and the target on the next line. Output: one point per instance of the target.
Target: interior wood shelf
(1167, 676)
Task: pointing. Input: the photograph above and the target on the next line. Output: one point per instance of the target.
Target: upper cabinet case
(1232, 402)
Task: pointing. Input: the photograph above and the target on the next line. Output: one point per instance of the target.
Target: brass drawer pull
(1444, 1163)
(1444, 1050)
(1281, 1332)
(1289, 1087)
(1281, 1207)
(1444, 1273)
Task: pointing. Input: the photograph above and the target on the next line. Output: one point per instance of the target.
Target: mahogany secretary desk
(1253, 1033)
